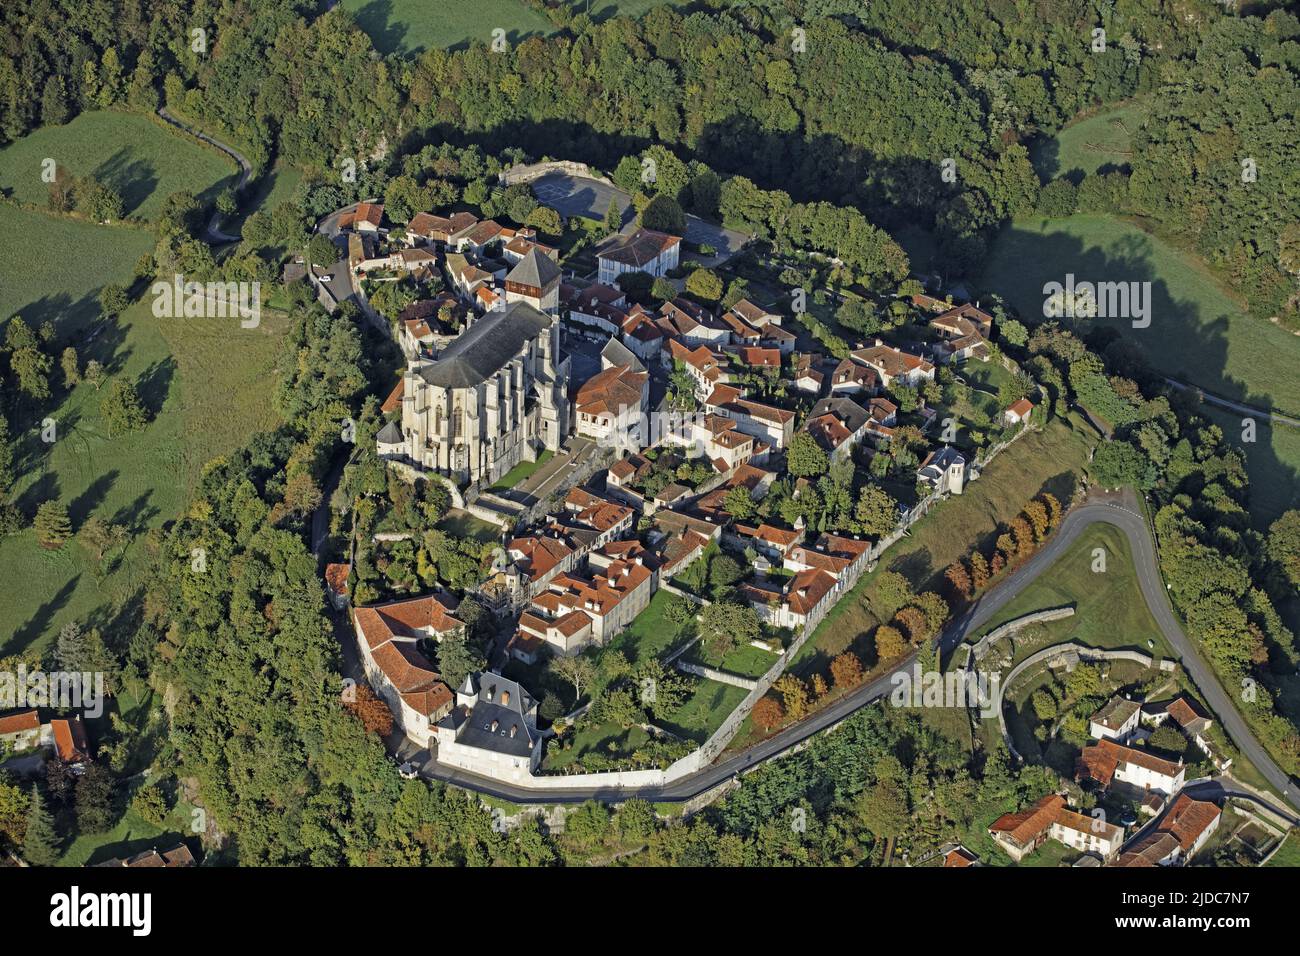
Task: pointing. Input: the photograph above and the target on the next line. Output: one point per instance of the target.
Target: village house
(1184, 714)
(838, 556)
(963, 334)
(645, 250)
(799, 603)
(642, 335)
(1116, 720)
(336, 584)
(21, 730)
(610, 406)
(609, 519)
(892, 365)
(492, 729)
(706, 368)
(441, 230)
(1179, 836)
(616, 589)
(388, 636)
(177, 857)
(1017, 412)
(1087, 834)
(852, 377)
(70, 743)
(714, 437)
(1023, 832)
(365, 217)
(838, 425)
(770, 425)
(768, 540)
(943, 471)
(1109, 763)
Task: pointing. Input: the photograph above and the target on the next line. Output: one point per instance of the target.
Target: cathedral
(497, 395)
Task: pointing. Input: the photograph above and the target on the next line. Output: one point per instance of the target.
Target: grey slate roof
(616, 353)
(390, 434)
(486, 347)
(535, 270)
(475, 728)
(846, 410)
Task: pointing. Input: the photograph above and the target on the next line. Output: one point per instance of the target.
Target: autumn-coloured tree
(1053, 507)
(768, 712)
(794, 694)
(935, 609)
(368, 708)
(979, 571)
(998, 563)
(1036, 514)
(819, 687)
(889, 643)
(1007, 551)
(913, 622)
(1024, 535)
(959, 580)
(846, 670)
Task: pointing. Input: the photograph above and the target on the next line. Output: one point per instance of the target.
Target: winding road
(212, 235)
(1120, 509)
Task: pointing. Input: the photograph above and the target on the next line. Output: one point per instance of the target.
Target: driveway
(1121, 510)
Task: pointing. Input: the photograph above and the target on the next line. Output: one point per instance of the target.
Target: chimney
(505, 698)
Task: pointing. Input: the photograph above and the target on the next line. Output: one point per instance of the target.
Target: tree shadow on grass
(40, 622)
(155, 384)
(135, 180)
(136, 516)
(82, 506)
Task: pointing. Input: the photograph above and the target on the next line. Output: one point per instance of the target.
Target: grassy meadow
(204, 384)
(136, 155)
(406, 27)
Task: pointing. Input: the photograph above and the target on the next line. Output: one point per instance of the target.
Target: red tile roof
(70, 740)
(1025, 826)
(1187, 819)
(26, 720)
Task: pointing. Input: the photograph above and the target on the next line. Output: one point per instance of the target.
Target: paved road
(215, 236)
(1121, 510)
(1211, 399)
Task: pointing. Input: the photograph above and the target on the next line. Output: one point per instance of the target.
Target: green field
(39, 285)
(409, 26)
(1198, 333)
(649, 635)
(1109, 609)
(1089, 144)
(137, 156)
(1288, 853)
(204, 382)
(521, 471)
(704, 711)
